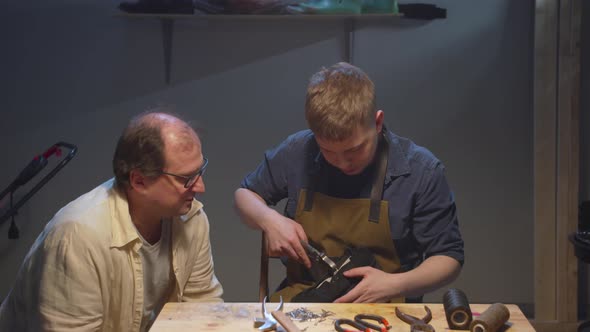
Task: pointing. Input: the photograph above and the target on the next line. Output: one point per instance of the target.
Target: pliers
(361, 324)
(416, 324)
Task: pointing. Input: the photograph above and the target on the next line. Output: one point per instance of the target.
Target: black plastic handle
(14, 210)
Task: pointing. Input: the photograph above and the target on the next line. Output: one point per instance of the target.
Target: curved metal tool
(338, 325)
(416, 324)
(363, 320)
(267, 322)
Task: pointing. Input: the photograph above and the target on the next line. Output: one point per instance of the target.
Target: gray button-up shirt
(422, 211)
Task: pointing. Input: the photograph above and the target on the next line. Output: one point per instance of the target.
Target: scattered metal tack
(303, 314)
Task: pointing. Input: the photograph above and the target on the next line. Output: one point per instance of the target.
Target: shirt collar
(123, 231)
(397, 160)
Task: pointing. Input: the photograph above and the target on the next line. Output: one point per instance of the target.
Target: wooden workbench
(226, 317)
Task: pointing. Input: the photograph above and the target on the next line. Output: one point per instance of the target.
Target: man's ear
(137, 181)
(379, 118)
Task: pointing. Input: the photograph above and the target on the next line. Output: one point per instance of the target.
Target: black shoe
(421, 11)
(158, 7)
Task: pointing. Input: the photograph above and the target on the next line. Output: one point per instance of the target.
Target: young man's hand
(284, 238)
(377, 286)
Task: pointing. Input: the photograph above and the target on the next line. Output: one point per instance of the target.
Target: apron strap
(312, 179)
(379, 178)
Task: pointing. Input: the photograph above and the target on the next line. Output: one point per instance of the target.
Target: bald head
(144, 142)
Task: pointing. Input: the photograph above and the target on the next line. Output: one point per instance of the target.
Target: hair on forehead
(339, 99)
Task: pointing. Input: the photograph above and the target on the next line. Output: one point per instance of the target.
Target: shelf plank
(258, 16)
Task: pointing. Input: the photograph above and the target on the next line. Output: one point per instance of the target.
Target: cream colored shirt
(84, 272)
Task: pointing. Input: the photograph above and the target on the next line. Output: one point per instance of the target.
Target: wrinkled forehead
(182, 150)
(184, 162)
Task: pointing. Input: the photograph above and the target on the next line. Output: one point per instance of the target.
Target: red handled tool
(31, 170)
(362, 319)
(361, 323)
(338, 325)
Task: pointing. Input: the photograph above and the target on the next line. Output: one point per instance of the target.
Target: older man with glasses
(109, 260)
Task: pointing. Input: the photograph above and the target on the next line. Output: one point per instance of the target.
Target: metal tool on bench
(267, 322)
(416, 324)
(361, 323)
(364, 318)
(339, 326)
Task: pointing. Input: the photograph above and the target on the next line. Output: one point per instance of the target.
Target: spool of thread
(491, 319)
(457, 309)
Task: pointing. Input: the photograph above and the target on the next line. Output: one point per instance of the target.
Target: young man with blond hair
(350, 182)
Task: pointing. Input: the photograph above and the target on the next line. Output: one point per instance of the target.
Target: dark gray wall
(462, 87)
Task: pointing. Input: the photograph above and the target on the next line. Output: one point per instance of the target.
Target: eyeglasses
(192, 179)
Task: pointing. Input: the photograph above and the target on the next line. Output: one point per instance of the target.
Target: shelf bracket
(349, 25)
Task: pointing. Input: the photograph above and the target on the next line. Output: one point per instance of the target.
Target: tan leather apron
(332, 224)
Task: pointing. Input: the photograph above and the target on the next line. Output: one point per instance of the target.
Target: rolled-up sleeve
(270, 179)
(435, 222)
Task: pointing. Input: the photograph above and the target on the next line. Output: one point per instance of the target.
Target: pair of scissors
(360, 323)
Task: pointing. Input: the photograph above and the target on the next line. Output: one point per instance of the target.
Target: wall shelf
(259, 16)
(167, 26)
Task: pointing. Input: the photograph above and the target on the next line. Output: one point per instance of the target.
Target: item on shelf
(158, 7)
(422, 11)
(327, 7)
(248, 7)
(380, 7)
(210, 6)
